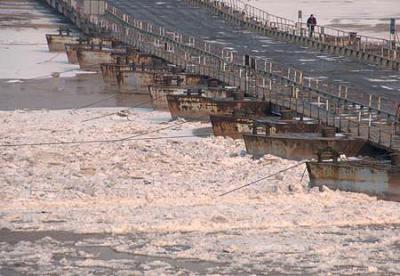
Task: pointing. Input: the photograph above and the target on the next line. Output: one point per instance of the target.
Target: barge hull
(159, 95)
(235, 127)
(125, 79)
(380, 181)
(200, 108)
(92, 59)
(56, 43)
(299, 148)
(229, 126)
(72, 52)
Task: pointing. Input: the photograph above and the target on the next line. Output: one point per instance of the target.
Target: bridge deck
(181, 17)
(283, 90)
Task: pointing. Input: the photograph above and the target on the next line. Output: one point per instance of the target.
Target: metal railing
(246, 13)
(262, 79)
(286, 87)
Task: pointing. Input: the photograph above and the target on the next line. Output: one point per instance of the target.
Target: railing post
(369, 125)
(270, 91)
(380, 136)
(327, 112)
(340, 117)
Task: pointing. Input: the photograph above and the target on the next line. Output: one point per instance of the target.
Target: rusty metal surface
(142, 81)
(135, 72)
(200, 108)
(180, 79)
(126, 80)
(92, 43)
(143, 59)
(91, 59)
(159, 94)
(235, 127)
(219, 92)
(56, 43)
(195, 79)
(377, 179)
(229, 126)
(106, 43)
(72, 52)
(299, 147)
(113, 74)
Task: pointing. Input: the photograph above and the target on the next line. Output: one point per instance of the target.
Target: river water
(150, 207)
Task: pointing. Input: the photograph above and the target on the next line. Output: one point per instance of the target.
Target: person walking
(311, 23)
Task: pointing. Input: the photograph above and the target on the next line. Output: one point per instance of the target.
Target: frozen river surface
(149, 205)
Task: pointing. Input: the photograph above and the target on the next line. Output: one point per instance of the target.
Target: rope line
(129, 138)
(113, 113)
(263, 178)
(96, 102)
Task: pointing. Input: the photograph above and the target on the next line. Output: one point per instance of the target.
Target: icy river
(74, 201)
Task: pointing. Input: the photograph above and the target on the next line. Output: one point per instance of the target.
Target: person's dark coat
(312, 21)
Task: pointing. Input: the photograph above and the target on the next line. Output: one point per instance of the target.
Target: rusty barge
(236, 126)
(300, 146)
(57, 42)
(126, 78)
(91, 59)
(92, 43)
(378, 178)
(159, 93)
(194, 107)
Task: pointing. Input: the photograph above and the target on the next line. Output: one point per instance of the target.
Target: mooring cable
(65, 71)
(50, 59)
(129, 138)
(113, 113)
(96, 102)
(263, 178)
(304, 173)
(104, 141)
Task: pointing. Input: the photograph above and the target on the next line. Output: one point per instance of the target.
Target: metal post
(327, 112)
(380, 136)
(369, 125)
(348, 125)
(379, 103)
(340, 117)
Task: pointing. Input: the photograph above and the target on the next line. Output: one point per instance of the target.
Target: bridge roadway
(177, 15)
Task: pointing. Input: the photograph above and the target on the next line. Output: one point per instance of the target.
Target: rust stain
(299, 147)
(376, 178)
(159, 94)
(126, 79)
(235, 127)
(56, 43)
(229, 126)
(200, 108)
(91, 59)
(72, 52)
